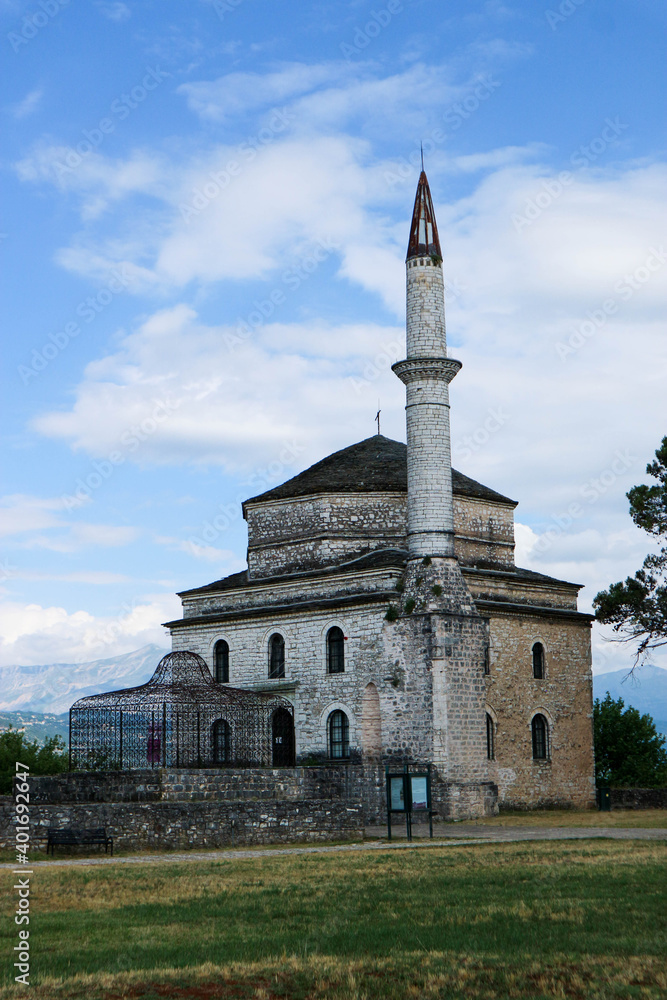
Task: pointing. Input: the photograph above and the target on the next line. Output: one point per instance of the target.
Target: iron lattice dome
(181, 718)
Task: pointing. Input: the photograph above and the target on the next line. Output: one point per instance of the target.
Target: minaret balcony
(416, 369)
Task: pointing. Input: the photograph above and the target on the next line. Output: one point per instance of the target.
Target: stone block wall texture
(639, 798)
(563, 696)
(483, 532)
(425, 309)
(197, 809)
(311, 532)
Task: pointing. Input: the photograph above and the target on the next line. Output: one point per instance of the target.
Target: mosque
(382, 600)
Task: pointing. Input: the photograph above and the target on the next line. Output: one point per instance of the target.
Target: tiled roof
(376, 465)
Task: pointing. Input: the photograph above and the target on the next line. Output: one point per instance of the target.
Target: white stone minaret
(426, 373)
(442, 637)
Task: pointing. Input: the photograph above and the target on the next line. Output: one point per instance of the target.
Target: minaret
(442, 635)
(426, 373)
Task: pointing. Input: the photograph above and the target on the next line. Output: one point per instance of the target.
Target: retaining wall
(196, 809)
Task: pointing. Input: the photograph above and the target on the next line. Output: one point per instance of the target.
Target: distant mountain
(52, 688)
(36, 725)
(647, 692)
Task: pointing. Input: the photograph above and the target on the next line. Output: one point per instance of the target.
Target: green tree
(46, 758)
(628, 749)
(637, 609)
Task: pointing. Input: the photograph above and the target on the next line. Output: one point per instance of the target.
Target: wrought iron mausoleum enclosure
(181, 718)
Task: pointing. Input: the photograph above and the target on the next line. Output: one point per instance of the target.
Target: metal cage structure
(181, 718)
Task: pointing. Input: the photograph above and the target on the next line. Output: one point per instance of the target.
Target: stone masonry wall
(198, 809)
(484, 532)
(309, 532)
(564, 697)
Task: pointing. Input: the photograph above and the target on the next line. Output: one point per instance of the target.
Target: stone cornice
(413, 369)
(512, 610)
(289, 608)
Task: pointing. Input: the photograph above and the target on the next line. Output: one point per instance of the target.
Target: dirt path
(463, 834)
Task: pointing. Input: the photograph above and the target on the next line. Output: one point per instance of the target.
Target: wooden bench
(74, 838)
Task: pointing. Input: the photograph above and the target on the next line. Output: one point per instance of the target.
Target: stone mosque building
(382, 599)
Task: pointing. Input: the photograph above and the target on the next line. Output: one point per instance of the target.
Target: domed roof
(376, 465)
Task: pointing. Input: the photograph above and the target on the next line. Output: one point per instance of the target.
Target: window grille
(540, 729)
(221, 742)
(490, 744)
(276, 656)
(335, 651)
(339, 735)
(538, 661)
(221, 656)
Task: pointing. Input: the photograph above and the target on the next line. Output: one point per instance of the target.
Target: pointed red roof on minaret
(424, 240)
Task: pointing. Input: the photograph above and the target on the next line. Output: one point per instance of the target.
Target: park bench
(71, 837)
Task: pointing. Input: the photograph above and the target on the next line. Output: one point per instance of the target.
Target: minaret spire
(424, 241)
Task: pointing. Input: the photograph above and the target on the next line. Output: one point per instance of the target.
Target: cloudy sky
(204, 234)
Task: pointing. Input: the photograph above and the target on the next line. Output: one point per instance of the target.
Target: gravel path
(463, 834)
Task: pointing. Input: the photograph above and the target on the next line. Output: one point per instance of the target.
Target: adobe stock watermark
(87, 310)
(381, 363)
(625, 288)
(21, 951)
(219, 180)
(129, 441)
(553, 188)
(224, 7)
(564, 11)
(33, 23)
(292, 279)
(454, 117)
(363, 36)
(228, 514)
(466, 446)
(120, 108)
(590, 491)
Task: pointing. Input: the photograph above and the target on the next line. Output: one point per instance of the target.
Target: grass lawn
(582, 920)
(650, 818)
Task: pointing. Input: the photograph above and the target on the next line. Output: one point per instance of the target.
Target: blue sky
(206, 212)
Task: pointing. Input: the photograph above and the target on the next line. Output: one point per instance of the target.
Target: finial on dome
(424, 241)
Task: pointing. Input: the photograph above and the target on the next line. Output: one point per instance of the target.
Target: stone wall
(563, 696)
(197, 809)
(639, 798)
(484, 532)
(311, 532)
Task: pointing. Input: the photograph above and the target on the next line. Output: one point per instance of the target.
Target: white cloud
(28, 104)
(20, 512)
(22, 515)
(32, 634)
(178, 391)
(114, 10)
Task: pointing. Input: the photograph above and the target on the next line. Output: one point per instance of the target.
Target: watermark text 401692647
(21, 950)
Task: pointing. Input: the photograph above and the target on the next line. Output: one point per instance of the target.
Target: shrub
(628, 749)
(49, 758)
(392, 614)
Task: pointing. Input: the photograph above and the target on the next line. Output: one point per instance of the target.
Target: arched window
(339, 735)
(335, 651)
(221, 741)
(538, 661)
(221, 658)
(540, 728)
(490, 744)
(276, 655)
